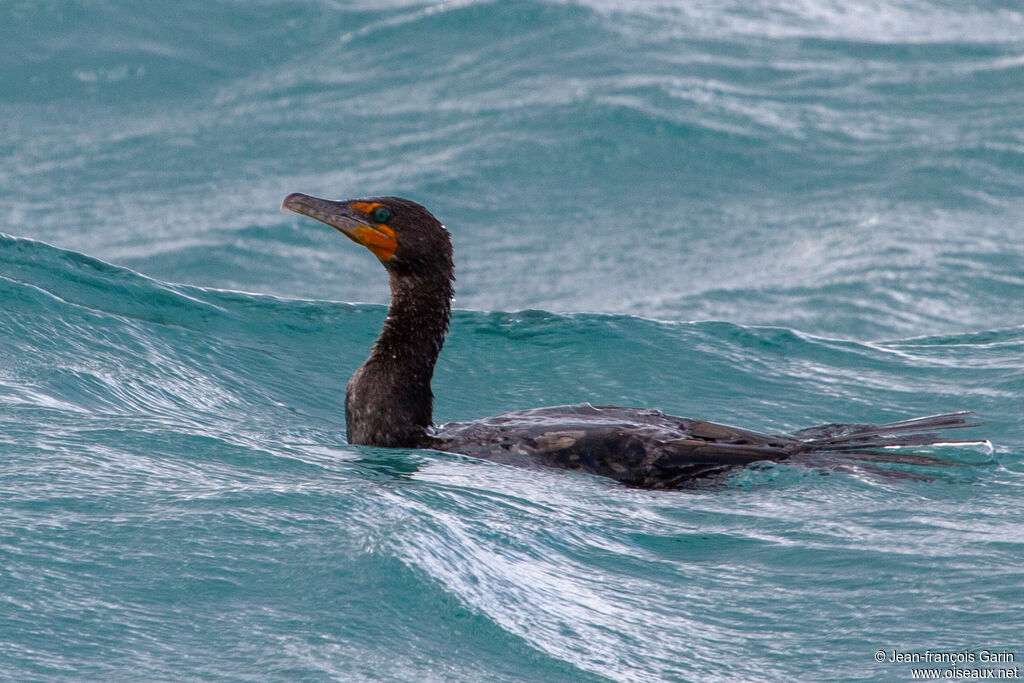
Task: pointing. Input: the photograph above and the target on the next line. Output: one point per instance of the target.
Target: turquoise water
(769, 214)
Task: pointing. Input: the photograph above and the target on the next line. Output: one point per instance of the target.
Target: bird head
(401, 233)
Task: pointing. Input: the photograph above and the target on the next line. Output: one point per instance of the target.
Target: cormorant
(389, 401)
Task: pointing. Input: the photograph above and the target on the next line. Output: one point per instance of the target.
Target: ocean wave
(130, 343)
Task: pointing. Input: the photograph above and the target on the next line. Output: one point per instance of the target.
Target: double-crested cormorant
(389, 401)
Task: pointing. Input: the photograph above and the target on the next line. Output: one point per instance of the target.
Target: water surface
(771, 214)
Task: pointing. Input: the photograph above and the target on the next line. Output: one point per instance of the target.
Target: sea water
(771, 214)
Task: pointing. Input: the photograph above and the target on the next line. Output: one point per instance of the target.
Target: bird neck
(389, 401)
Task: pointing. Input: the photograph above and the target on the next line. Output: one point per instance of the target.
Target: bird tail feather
(860, 441)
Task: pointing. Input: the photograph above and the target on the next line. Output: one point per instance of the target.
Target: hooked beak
(354, 224)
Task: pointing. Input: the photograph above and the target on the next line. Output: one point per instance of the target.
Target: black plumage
(389, 401)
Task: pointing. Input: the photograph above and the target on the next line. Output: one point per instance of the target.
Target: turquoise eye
(381, 215)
